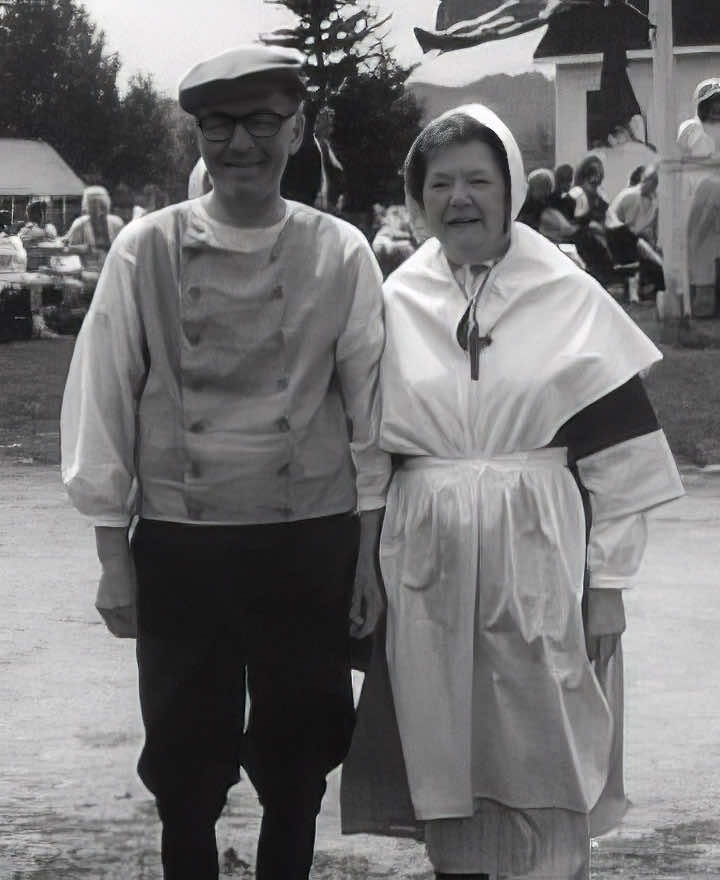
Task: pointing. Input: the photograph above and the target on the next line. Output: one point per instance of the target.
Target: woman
(95, 230)
(699, 136)
(507, 374)
(589, 210)
(540, 186)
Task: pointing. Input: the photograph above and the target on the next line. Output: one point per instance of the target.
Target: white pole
(671, 226)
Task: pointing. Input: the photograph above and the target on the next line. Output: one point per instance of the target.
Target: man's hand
(368, 593)
(117, 590)
(605, 623)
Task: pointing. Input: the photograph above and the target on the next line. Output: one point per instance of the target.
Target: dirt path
(71, 806)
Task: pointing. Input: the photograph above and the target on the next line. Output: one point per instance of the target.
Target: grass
(684, 388)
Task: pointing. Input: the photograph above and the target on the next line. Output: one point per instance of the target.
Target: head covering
(708, 88)
(94, 192)
(216, 80)
(518, 184)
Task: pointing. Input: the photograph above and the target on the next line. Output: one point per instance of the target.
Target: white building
(574, 42)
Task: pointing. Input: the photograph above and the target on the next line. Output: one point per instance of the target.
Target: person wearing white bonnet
(223, 395)
(96, 228)
(510, 395)
(699, 136)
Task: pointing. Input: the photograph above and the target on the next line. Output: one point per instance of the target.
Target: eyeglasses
(218, 127)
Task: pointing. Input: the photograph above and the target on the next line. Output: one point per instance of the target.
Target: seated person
(36, 229)
(393, 242)
(631, 229)
(589, 209)
(540, 186)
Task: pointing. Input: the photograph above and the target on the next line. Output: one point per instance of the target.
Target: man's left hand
(368, 594)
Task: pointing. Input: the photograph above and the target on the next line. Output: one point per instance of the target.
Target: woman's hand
(605, 623)
(117, 591)
(368, 594)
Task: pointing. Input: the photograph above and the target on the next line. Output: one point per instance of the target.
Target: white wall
(574, 80)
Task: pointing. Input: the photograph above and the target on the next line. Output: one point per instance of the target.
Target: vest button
(283, 424)
(198, 427)
(284, 470)
(277, 292)
(282, 383)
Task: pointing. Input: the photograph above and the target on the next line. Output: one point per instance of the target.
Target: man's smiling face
(247, 166)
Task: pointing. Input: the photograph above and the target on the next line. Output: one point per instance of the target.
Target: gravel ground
(72, 807)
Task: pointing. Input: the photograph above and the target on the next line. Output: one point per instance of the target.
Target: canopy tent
(33, 168)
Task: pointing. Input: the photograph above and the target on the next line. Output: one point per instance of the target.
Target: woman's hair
(563, 176)
(459, 128)
(636, 175)
(541, 183)
(586, 167)
(90, 193)
(703, 108)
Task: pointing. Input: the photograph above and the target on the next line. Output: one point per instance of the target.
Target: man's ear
(298, 130)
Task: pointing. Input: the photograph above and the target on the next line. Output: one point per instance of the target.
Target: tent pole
(12, 209)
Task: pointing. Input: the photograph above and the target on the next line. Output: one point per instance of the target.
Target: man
(232, 344)
(631, 227)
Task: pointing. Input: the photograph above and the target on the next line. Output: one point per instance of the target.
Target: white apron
(483, 562)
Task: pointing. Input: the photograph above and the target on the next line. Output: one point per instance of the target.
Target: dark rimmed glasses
(219, 127)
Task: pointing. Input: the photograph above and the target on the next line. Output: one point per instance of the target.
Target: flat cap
(215, 80)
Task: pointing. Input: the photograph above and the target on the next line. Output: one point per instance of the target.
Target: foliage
(154, 140)
(340, 38)
(57, 82)
(375, 124)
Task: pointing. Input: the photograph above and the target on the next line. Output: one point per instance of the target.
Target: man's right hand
(117, 590)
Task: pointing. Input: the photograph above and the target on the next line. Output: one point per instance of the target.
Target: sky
(166, 37)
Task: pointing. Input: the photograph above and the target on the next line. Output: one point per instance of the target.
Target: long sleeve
(358, 352)
(97, 422)
(626, 467)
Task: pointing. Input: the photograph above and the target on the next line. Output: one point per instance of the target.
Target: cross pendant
(476, 344)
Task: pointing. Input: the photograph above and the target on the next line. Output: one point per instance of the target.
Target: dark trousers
(225, 611)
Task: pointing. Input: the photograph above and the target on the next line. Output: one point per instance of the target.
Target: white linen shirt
(225, 377)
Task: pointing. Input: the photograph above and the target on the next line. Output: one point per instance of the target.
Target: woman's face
(464, 198)
(593, 179)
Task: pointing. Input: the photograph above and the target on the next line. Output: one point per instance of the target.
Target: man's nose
(241, 139)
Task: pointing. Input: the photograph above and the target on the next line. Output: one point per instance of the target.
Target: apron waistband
(555, 456)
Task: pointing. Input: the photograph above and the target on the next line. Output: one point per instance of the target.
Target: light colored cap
(706, 89)
(215, 80)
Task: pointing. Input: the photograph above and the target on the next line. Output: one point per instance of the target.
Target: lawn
(684, 388)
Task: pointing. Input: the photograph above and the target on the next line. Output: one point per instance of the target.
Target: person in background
(631, 228)
(510, 392)
(703, 248)
(540, 186)
(393, 242)
(96, 229)
(699, 136)
(36, 229)
(223, 391)
(13, 257)
(589, 209)
(331, 194)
